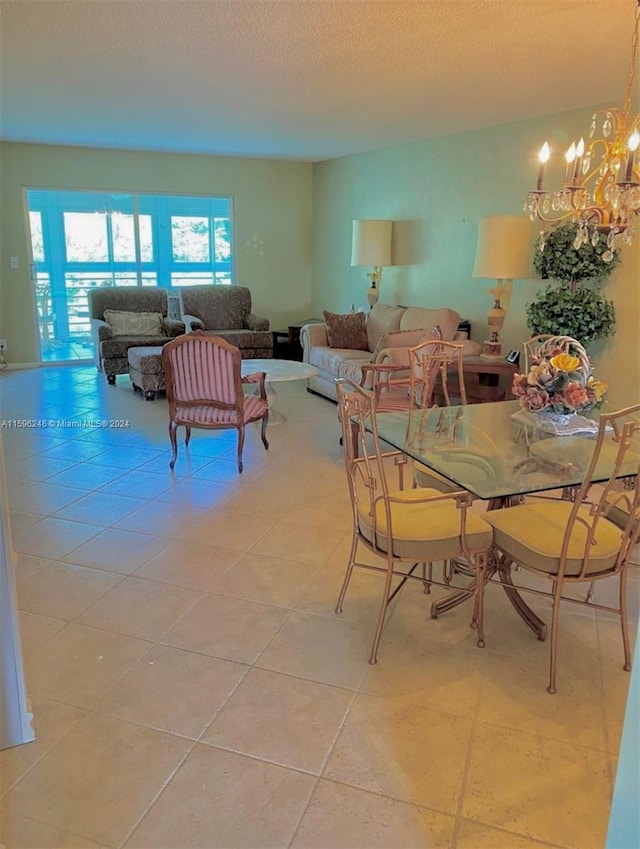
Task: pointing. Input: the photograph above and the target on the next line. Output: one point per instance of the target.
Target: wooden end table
(485, 380)
(286, 343)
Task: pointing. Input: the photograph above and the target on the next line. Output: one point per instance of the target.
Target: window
(84, 239)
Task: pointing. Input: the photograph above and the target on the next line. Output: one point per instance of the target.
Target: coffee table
(277, 370)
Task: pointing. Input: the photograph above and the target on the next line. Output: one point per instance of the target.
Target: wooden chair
(204, 389)
(579, 542)
(407, 527)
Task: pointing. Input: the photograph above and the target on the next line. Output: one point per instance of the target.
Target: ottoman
(145, 370)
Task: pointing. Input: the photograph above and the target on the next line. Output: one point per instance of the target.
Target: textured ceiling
(298, 79)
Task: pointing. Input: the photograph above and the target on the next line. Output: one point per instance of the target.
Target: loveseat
(226, 311)
(124, 317)
(390, 331)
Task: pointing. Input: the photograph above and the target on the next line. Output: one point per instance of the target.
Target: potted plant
(576, 307)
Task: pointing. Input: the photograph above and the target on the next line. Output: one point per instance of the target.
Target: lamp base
(373, 294)
(492, 350)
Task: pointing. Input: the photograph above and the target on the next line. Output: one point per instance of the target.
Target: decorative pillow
(404, 339)
(383, 318)
(124, 323)
(347, 331)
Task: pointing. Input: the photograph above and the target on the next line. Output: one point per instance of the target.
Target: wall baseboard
(15, 366)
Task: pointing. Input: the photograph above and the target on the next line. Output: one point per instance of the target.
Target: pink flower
(535, 399)
(575, 395)
(542, 375)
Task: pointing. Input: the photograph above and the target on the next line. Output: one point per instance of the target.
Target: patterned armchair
(111, 347)
(225, 311)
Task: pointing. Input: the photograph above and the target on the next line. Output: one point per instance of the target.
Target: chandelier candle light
(371, 245)
(601, 187)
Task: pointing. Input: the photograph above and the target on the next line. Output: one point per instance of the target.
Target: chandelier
(601, 186)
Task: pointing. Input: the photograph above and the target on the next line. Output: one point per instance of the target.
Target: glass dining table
(489, 451)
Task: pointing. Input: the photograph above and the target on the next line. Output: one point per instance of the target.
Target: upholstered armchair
(140, 319)
(205, 390)
(225, 311)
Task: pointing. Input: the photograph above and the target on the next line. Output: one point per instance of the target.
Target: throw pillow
(347, 331)
(124, 323)
(383, 318)
(404, 339)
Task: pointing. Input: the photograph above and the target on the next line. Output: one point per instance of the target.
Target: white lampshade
(371, 242)
(503, 249)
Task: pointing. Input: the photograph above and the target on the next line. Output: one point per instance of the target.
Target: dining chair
(569, 542)
(427, 363)
(401, 385)
(205, 389)
(407, 527)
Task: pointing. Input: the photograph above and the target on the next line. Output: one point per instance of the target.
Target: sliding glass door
(81, 240)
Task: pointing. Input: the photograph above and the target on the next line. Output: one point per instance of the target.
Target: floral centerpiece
(560, 380)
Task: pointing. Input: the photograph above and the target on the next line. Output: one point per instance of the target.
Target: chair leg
(383, 612)
(427, 578)
(623, 620)
(348, 573)
(187, 438)
(479, 599)
(553, 649)
(263, 430)
(240, 447)
(173, 427)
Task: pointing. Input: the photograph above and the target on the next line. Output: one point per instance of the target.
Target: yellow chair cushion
(423, 531)
(533, 533)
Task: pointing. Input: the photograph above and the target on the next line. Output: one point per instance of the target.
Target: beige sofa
(391, 330)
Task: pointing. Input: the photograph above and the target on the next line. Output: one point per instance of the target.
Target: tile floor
(192, 686)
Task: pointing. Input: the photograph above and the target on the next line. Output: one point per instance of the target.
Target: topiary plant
(584, 313)
(573, 308)
(557, 258)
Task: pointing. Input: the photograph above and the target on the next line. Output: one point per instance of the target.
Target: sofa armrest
(255, 322)
(173, 327)
(99, 330)
(312, 336)
(192, 323)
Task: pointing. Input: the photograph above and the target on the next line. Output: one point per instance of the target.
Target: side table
(484, 380)
(286, 343)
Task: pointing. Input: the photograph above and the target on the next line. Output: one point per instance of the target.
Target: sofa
(225, 311)
(142, 309)
(390, 331)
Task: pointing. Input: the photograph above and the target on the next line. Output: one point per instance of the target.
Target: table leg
(503, 567)
(275, 416)
(523, 610)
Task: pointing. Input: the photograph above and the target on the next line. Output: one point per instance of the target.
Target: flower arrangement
(560, 380)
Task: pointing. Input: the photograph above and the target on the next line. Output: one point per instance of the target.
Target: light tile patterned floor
(192, 686)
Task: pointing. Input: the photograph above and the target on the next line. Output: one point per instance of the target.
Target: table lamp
(502, 253)
(371, 245)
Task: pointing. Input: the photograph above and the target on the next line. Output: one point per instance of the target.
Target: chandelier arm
(632, 63)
